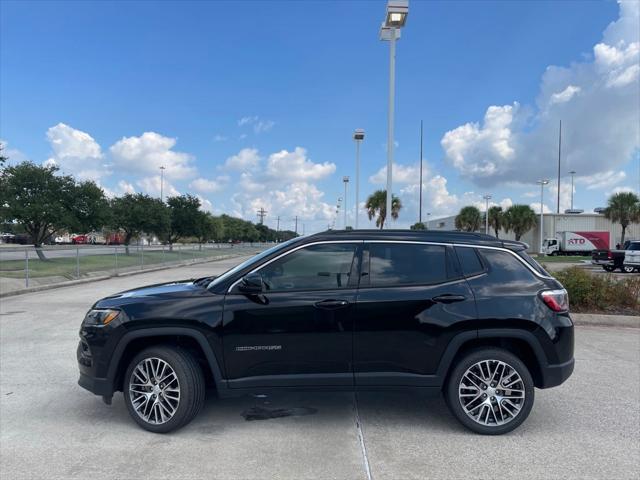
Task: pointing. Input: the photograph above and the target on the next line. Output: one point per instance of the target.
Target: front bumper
(554, 375)
(98, 386)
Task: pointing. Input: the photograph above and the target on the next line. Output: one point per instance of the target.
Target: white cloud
(203, 185)
(147, 153)
(219, 138)
(13, 154)
(151, 186)
(597, 101)
(296, 167)
(621, 189)
(300, 198)
(205, 204)
(259, 125)
(402, 174)
(603, 180)
(76, 152)
(565, 95)
(536, 207)
(245, 159)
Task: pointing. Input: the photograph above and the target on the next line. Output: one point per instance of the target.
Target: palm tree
(377, 206)
(496, 219)
(520, 219)
(624, 208)
(469, 219)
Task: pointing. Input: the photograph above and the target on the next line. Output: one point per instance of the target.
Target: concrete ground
(51, 428)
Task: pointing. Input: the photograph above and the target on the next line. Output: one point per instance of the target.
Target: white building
(554, 223)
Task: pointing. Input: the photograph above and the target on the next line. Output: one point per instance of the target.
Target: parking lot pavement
(51, 428)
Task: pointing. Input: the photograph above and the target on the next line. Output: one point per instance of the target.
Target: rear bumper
(554, 375)
(603, 262)
(98, 386)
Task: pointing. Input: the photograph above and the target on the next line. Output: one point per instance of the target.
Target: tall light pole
(358, 136)
(345, 180)
(420, 209)
(572, 173)
(542, 183)
(486, 213)
(395, 18)
(162, 168)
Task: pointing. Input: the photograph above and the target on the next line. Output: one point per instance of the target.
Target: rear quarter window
(505, 268)
(532, 261)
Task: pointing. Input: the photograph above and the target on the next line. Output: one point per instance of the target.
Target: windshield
(256, 258)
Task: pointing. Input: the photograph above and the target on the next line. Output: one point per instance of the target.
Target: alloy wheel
(491, 393)
(154, 390)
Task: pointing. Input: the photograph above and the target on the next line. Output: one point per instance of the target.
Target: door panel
(299, 331)
(402, 329)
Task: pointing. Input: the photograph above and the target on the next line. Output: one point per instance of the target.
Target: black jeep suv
(465, 314)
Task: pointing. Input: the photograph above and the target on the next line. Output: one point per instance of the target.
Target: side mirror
(251, 284)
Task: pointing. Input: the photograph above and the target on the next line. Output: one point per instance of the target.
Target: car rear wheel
(608, 268)
(628, 269)
(163, 388)
(490, 391)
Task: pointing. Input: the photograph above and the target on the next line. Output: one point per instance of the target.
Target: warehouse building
(555, 223)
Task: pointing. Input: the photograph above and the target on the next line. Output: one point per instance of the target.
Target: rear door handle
(447, 298)
(331, 304)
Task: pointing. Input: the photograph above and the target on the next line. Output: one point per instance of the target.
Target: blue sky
(253, 104)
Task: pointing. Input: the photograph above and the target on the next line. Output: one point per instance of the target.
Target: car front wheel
(490, 391)
(164, 388)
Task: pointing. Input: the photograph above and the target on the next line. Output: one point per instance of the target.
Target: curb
(98, 278)
(599, 320)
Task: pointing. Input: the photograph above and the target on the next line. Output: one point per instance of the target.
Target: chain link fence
(24, 267)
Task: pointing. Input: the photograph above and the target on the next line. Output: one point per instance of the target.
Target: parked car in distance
(611, 260)
(463, 314)
(632, 255)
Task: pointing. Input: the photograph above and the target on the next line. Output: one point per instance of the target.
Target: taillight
(609, 255)
(556, 300)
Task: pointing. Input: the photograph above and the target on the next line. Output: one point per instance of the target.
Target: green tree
(42, 202)
(90, 207)
(469, 219)
(185, 213)
(623, 208)
(138, 213)
(418, 226)
(496, 219)
(3, 158)
(376, 206)
(519, 219)
(207, 227)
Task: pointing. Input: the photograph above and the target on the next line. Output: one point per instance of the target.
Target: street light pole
(486, 213)
(162, 184)
(420, 209)
(358, 136)
(396, 16)
(542, 183)
(345, 179)
(572, 173)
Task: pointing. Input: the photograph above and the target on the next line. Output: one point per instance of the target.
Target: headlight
(101, 317)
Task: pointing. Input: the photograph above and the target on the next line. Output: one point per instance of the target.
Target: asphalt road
(51, 428)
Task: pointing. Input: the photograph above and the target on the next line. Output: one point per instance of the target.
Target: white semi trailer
(575, 243)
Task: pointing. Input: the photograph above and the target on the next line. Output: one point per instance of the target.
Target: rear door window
(469, 261)
(406, 264)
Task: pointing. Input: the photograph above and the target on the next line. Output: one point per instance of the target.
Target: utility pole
(261, 214)
(420, 214)
(559, 151)
(486, 213)
(296, 230)
(346, 182)
(278, 224)
(162, 183)
(572, 173)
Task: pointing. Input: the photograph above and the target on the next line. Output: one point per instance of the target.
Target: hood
(181, 289)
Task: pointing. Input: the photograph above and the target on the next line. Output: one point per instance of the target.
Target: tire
(627, 269)
(187, 378)
(485, 418)
(608, 268)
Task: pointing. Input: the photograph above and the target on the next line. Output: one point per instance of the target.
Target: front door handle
(331, 304)
(448, 298)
